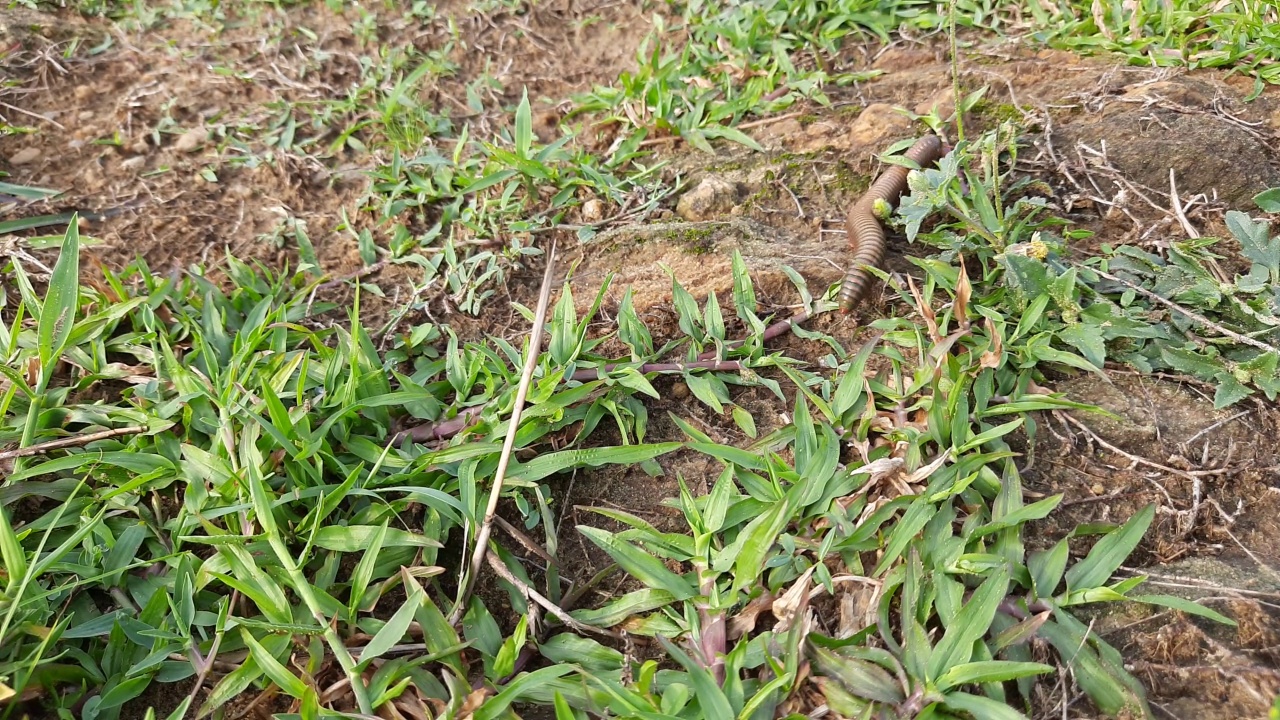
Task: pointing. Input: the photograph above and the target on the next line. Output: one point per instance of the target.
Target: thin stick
(355, 275)
(1215, 426)
(505, 573)
(779, 328)
(1141, 460)
(1198, 318)
(526, 379)
(595, 373)
(1177, 208)
(74, 441)
(37, 116)
(440, 430)
(769, 120)
(206, 663)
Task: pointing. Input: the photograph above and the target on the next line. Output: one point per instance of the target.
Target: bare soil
(113, 131)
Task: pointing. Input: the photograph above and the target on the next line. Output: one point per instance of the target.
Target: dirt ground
(120, 131)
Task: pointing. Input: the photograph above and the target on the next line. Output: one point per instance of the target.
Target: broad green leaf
(551, 463)
(633, 603)
(1256, 242)
(11, 552)
(62, 300)
(1229, 392)
(524, 126)
(1046, 567)
(641, 565)
(981, 707)
(1184, 605)
(1027, 513)
(987, 436)
(279, 675)
(524, 687)
(859, 677)
(392, 632)
(745, 422)
(754, 543)
(1110, 552)
(971, 623)
(1267, 200)
(357, 538)
(1100, 683)
(986, 671)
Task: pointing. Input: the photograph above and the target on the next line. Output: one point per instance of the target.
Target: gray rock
(712, 197)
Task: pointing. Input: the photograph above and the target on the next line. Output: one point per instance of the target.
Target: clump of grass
(1240, 35)
(213, 487)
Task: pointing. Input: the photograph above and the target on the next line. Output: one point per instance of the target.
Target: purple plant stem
(779, 328)
(596, 372)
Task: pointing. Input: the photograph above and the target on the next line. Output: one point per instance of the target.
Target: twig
(440, 430)
(526, 541)
(1194, 476)
(595, 373)
(771, 332)
(1176, 201)
(1215, 426)
(1174, 306)
(1141, 460)
(769, 120)
(74, 441)
(206, 663)
(796, 200)
(526, 379)
(354, 275)
(37, 116)
(505, 573)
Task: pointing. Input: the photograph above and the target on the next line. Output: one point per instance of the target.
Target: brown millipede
(866, 234)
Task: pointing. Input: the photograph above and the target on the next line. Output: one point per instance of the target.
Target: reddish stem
(596, 372)
(779, 328)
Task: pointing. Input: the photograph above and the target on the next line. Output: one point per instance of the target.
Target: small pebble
(712, 197)
(25, 156)
(592, 211)
(191, 140)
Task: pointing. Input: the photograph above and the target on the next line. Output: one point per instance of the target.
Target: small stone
(878, 123)
(84, 92)
(25, 156)
(592, 211)
(86, 115)
(943, 101)
(134, 164)
(191, 140)
(713, 196)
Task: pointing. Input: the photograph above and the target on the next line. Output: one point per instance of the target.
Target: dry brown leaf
(745, 621)
(924, 472)
(792, 602)
(926, 312)
(991, 358)
(964, 290)
(1099, 11)
(472, 703)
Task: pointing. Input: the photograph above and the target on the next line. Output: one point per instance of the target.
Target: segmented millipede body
(866, 234)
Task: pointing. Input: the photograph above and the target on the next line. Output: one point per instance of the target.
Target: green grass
(247, 515)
